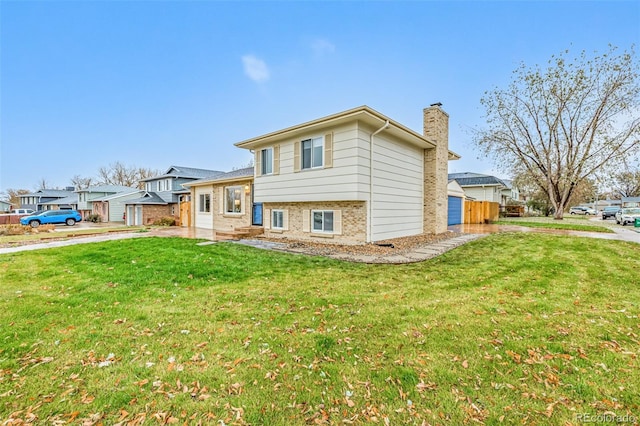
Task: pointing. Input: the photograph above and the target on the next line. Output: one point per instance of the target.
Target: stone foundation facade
(349, 221)
(152, 213)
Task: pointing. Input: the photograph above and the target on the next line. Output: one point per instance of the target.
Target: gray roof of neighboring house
(246, 172)
(149, 198)
(71, 199)
(477, 179)
(59, 193)
(106, 188)
(119, 195)
(630, 199)
(184, 172)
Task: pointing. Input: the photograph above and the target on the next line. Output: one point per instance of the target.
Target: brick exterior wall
(354, 221)
(226, 221)
(151, 213)
(436, 168)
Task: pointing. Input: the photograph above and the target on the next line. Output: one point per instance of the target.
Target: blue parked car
(68, 217)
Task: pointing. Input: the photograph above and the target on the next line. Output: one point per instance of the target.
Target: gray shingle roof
(184, 172)
(246, 172)
(148, 198)
(106, 188)
(71, 199)
(476, 179)
(59, 193)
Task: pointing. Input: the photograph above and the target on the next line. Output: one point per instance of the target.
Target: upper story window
(312, 153)
(266, 161)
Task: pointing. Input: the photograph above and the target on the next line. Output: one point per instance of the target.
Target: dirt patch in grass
(395, 246)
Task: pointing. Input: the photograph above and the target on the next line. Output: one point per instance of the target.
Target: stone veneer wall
(230, 221)
(152, 212)
(436, 169)
(354, 222)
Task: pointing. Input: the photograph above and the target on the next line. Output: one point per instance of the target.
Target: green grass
(512, 328)
(577, 223)
(43, 236)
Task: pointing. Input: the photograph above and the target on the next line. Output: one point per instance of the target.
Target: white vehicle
(627, 215)
(22, 211)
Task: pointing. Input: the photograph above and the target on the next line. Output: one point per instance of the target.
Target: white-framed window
(204, 203)
(233, 199)
(167, 184)
(312, 153)
(266, 161)
(322, 221)
(277, 219)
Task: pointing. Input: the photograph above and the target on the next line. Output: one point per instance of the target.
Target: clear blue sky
(155, 83)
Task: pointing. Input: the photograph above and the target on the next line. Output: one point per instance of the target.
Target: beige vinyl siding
(342, 180)
(488, 193)
(397, 189)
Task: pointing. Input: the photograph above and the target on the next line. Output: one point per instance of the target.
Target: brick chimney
(436, 169)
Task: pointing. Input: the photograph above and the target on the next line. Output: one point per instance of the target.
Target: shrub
(165, 221)
(95, 218)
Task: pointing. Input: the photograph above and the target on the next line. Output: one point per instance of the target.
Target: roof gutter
(370, 221)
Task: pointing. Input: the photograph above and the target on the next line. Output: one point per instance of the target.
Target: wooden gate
(481, 212)
(185, 213)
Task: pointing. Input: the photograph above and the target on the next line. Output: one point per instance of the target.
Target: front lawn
(571, 223)
(512, 328)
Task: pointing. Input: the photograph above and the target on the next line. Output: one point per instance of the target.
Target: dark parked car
(608, 212)
(68, 217)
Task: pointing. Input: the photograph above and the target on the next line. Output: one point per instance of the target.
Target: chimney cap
(438, 104)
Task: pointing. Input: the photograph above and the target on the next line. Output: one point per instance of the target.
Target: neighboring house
(485, 187)
(353, 177)
(164, 196)
(630, 201)
(455, 203)
(511, 192)
(86, 196)
(38, 200)
(67, 203)
(111, 208)
(223, 202)
(4, 206)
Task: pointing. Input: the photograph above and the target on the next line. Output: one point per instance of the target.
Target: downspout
(370, 214)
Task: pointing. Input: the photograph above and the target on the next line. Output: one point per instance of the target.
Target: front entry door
(257, 214)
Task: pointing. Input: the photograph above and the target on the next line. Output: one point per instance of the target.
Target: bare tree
(42, 184)
(119, 174)
(80, 182)
(563, 124)
(626, 183)
(13, 196)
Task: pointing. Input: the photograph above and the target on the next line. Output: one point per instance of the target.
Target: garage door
(454, 211)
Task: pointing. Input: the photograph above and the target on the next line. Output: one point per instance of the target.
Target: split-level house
(87, 197)
(48, 199)
(351, 178)
(164, 197)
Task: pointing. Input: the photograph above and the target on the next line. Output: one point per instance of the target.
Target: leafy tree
(563, 124)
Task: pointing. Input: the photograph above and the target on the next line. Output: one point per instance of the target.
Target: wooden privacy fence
(480, 211)
(10, 219)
